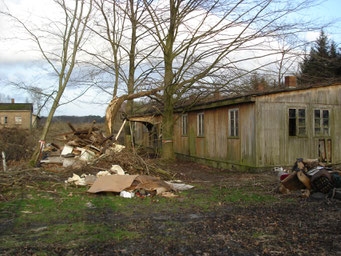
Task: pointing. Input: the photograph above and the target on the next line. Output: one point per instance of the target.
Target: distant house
(258, 130)
(18, 115)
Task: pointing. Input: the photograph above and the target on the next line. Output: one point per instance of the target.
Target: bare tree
(120, 26)
(289, 55)
(68, 36)
(201, 40)
(4, 98)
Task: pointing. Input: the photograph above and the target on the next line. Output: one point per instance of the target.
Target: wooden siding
(275, 146)
(263, 139)
(216, 144)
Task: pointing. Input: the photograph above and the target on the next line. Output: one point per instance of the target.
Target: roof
(16, 106)
(147, 119)
(248, 97)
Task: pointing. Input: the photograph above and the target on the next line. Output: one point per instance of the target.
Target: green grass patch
(232, 195)
(71, 217)
(67, 235)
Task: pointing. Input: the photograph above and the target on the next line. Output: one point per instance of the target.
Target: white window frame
(184, 124)
(321, 126)
(18, 120)
(233, 122)
(5, 120)
(200, 125)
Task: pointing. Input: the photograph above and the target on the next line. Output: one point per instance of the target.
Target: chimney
(12, 101)
(290, 82)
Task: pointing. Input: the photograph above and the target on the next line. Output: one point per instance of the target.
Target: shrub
(18, 144)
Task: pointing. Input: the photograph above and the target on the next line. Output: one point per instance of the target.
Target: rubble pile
(313, 178)
(82, 146)
(87, 150)
(133, 163)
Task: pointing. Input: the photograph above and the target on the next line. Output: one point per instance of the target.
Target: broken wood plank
(105, 139)
(91, 127)
(71, 127)
(55, 145)
(4, 161)
(119, 132)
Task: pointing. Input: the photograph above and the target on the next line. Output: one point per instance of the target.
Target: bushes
(18, 144)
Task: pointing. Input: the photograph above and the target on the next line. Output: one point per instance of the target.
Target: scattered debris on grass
(88, 158)
(310, 176)
(89, 150)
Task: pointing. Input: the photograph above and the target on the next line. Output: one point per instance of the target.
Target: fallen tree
(116, 103)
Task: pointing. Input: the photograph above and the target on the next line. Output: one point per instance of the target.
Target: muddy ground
(231, 219)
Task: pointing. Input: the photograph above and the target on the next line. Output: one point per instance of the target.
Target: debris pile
(127, 185)
(82, 146)
(88, 150)
(312, 177)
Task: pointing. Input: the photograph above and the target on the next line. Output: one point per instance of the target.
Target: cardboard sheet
(112, 183)
(118, 183)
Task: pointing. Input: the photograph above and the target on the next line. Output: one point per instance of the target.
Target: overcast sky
(20, 65)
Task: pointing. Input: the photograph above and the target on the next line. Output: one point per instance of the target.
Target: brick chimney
(12, 101)
(290, 82)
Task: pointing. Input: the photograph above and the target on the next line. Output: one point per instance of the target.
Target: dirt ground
(231, 220)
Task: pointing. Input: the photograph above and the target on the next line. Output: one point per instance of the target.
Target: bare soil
(286, 225)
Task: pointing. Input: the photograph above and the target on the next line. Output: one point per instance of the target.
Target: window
(321, 122)
(234, 122)
(200, 124)
(5, 119)
(184, 121)
(18, 120)
(301, 122)
(297, 122)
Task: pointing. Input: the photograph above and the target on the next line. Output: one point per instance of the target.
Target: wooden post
(119, 132)
(4, 161)
(131, 135)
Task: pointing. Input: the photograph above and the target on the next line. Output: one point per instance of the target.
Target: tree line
(323, 63)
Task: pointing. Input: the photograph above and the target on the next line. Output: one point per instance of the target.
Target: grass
(231, 195)
(69, 235)
(71, 217)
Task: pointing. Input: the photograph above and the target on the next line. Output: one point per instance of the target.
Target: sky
(23, 66)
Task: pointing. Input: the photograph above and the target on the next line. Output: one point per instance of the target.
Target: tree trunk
(132, 52)
(167, 117)
(168, 130)
(115, 105)
(36, 153)
(169, 91)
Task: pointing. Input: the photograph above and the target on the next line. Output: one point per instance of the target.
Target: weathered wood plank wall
(263, 139)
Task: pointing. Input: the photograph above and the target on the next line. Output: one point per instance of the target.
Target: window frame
(18, 120)
(233, 129)
(298, 122)
(321, 122)
(201, 124)
(5, 120)
(184, 124)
